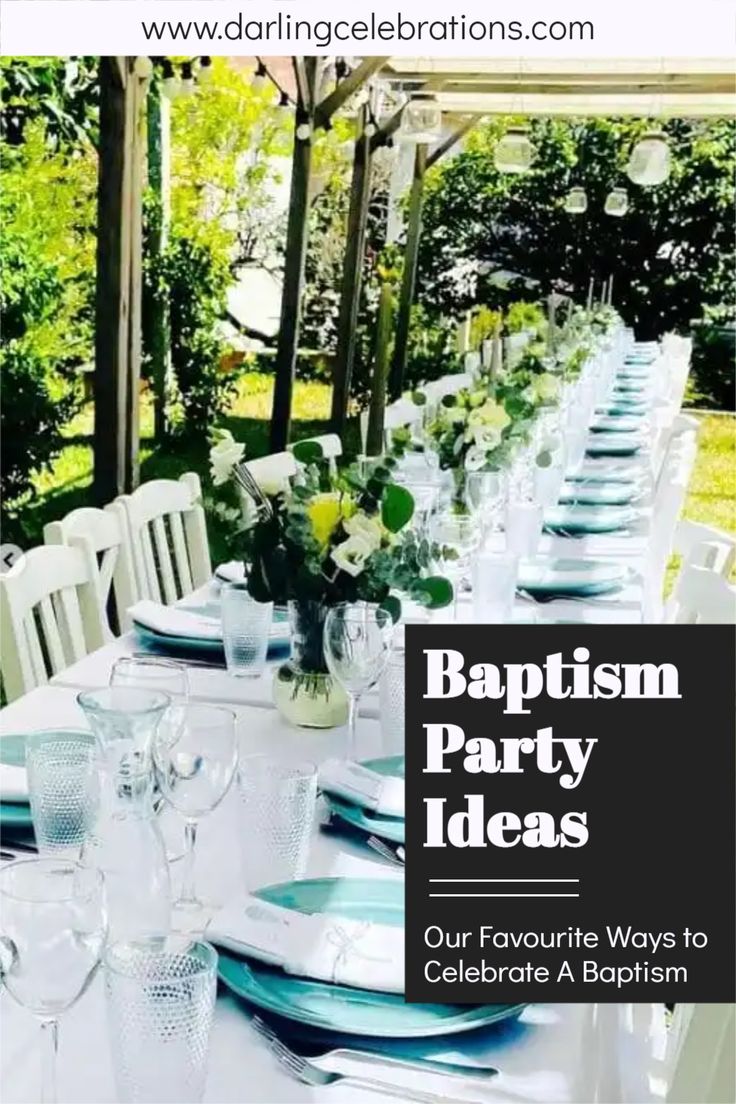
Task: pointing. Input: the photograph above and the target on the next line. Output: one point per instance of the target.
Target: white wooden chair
(702, 595)
(49, 616)
(168, 537)
(103, 538)
(702, 1054)
(275, 469)
(692, 536)
(330, 444)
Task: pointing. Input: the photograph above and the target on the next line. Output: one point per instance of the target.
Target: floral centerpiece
(329, 538)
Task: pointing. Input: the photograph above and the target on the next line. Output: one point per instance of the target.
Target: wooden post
(591, 288)
(551, 320)
(118, 286)
(374, 436)
(352, 276)
(156, 336)
(296, 252)
(409, 273)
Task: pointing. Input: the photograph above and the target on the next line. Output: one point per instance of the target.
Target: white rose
(544, 388)
(475, 458)
(273, 487)
(487, 437)
(352, 554)
(360, 525)
(224, 456)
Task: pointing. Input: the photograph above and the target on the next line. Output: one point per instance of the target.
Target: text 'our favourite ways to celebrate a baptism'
(569, 813)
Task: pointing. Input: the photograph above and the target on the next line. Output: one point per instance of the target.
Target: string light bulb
(303, 132)
(143, 68)
(369, 129)
(170, 81)
(204, 72)
(187, 86)
(258, 79)
(514, 153)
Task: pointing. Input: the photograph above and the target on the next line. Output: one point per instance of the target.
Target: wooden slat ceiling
(686, 87)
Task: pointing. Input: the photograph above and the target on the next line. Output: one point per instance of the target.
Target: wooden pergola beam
(409, 273)
(354, 81)
(352, 275)
(118, 279)
(452, 139)
(295, 259)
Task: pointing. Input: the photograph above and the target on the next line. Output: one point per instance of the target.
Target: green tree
(671, 254)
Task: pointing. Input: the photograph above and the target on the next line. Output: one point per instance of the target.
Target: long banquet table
(554, 1054)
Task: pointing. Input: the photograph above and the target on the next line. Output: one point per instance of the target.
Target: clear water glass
(246, 626)
(391, 698)
(548, 483)
(52, 933)
(63, 788)
(160, 1005)
(152, 673)
(494, 587)
(523, 528)
(357, 640)
(278, 807)
(195, 765)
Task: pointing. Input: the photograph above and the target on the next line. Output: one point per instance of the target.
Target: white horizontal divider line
(468, 881)
(504, 894)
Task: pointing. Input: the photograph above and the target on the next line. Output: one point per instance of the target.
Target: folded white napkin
(359, 953)
(13, 783)
(383, 794)
(190, 623)
(231, 572)
(174, 621)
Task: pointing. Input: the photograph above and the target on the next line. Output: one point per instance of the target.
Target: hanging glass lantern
(576, 201)
(649, 161)
(514, 153)
(421, 119)
(617, 202)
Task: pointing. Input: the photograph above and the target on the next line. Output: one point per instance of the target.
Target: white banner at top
(507, 29)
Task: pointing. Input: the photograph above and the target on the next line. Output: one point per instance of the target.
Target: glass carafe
(125, 840)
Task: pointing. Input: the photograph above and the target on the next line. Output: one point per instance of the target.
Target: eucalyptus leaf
(397, 507)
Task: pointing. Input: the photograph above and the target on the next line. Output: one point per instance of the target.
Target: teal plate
(623, 408)
(373, 824)
(338, 1008)
(627, 387)
(13, 754)
(613, 445)
(562, 520)
(618, 424)
(597, 494)
(626, 479)
(170, 644)
(571, 578)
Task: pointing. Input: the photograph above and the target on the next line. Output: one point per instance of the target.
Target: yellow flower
(326, 511)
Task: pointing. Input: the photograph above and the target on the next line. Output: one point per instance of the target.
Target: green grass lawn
(711, 498)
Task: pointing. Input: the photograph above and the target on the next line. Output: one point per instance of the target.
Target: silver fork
(309, 1073)
(396, 855)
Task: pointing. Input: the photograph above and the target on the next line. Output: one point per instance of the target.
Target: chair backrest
(330, 444)
(692, 537)
(704, 597)
(103, 538)
(701, 1058)
(275, 469)
(49, 616)
(403, 412)
(168, 536)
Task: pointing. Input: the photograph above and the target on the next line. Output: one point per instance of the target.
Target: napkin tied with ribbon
(335, 949)
(383, 794)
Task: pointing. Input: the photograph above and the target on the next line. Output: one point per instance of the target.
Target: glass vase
(304, 691)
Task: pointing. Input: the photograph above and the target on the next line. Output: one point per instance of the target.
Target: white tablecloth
(555, 1054)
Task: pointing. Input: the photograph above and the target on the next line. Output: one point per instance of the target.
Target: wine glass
(170, 676)
(52, 933)
(455, 537)
(484, 495)
(195, 764)
(357, 642)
